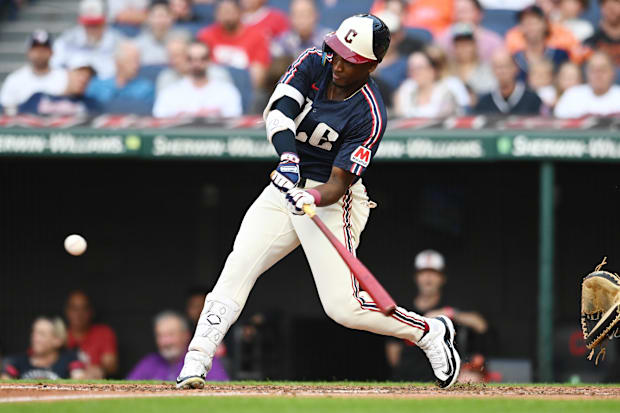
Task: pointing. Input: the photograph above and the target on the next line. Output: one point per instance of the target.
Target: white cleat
(195, 369)
(438, 344)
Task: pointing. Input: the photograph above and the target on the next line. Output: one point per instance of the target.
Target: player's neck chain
(331, 88)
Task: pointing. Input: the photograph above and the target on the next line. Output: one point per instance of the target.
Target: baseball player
(325, 120)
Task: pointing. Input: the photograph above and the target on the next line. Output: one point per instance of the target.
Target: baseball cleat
(438, 344)
(188, 383)
(195, 369)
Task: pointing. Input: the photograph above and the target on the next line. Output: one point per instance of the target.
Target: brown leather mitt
(600, 309)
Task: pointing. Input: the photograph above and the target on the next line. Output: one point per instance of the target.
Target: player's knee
(342, 312)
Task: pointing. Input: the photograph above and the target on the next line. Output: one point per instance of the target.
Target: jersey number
(322, 136)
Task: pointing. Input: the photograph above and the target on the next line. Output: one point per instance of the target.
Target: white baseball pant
(269, 232)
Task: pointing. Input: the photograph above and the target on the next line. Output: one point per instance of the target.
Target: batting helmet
(359, 39)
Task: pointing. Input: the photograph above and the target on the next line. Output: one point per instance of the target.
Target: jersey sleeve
(361, 143)
(297, 80)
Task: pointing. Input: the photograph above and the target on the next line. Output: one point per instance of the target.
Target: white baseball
(75, 244)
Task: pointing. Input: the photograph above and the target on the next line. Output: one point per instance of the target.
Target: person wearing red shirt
(234, 44)
(96, 341)
(269, 20)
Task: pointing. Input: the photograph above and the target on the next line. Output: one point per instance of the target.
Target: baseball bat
(368, 281)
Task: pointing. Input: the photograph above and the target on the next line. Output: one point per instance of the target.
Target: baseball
(75, 244)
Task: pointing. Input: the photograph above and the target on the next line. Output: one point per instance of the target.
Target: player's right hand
(296, 199)
(286, 176)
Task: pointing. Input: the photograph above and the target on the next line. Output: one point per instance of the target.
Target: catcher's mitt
(600, 309)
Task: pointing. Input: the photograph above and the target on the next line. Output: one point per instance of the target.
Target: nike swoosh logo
(315, 87)
(449, 372)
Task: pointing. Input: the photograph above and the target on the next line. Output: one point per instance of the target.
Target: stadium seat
(206, 12)
(420, 34)
(592, 13)
(500, 21)
(243, 82)
(128, 30)
(151, 72)
(332, 16)
(283, 5)
(128, 106)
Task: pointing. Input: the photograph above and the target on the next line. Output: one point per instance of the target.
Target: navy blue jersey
(330, 133)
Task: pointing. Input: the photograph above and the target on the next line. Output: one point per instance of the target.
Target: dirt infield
(15, 392)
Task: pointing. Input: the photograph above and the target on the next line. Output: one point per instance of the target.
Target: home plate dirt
(18, 392)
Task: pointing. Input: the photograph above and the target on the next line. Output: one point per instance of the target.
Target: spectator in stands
(392, 71)
(268, 20)
(607, 35)
(570, 17)
(178, 67)
(96, 341)
(184, 16)
(235, 44)
(72, 102)
(304, 32)
(600, 96)
(92, 40)
(128, 15)
(453, 83)
(540, 80)
(511, 97)
(36, 76)
(152, 39)
(402, 39)
(506, 4)
(423, 94)
(196, 94)
(432, 15)
(46, 358)
(176, 49)
(568, 75)
(430, 278)
(535, 28)
(194, 303)
(556, 36)
(470, 12)
(125, 85)
(466, 65)
(172, 335)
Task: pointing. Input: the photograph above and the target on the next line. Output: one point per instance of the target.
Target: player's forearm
(331, 191)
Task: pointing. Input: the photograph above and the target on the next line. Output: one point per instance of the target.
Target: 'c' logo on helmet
(350, 35)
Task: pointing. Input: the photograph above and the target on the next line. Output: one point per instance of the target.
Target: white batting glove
(296, 199)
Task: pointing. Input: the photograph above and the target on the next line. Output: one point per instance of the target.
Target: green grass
(303, 405)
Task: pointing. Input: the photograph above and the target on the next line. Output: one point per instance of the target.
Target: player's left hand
(296, 199)
(286, 176)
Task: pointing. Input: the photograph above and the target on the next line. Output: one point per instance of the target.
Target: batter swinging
(325, 119)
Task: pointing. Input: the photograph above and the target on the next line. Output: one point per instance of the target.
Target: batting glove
(286, 176)
(296, 199)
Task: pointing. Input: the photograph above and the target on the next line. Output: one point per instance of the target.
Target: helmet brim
(343, 51)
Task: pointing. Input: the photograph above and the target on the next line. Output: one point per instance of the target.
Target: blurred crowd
(222, 58)
(84, 349)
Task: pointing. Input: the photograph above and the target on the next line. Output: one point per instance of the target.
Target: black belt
(302, 183)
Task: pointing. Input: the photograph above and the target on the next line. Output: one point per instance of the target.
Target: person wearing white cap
(429, 278)
(326, 120)
(92, 39)
(35, 77)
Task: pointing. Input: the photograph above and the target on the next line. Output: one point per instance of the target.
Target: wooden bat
(368, 281)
